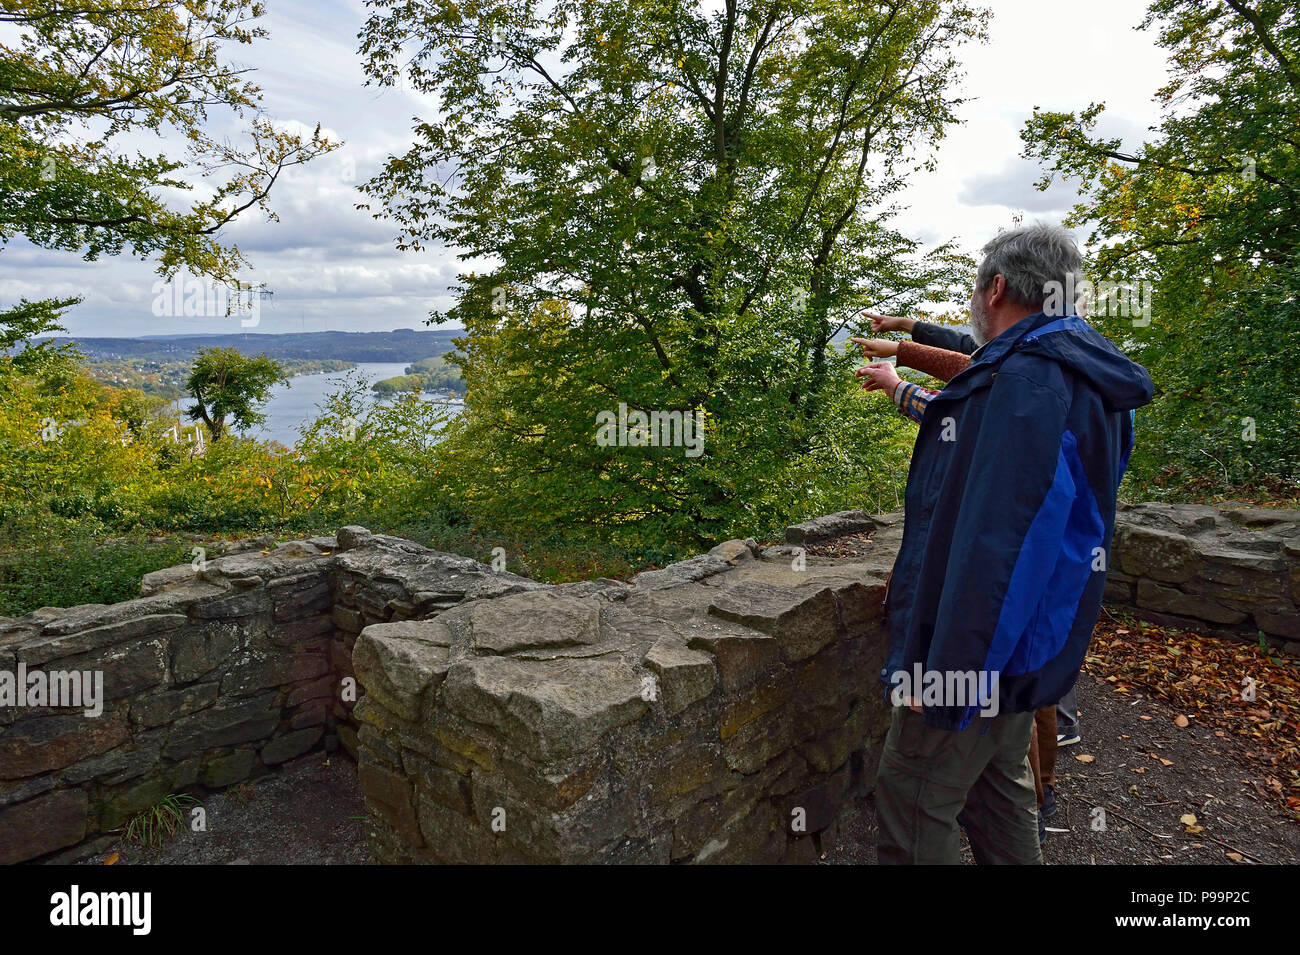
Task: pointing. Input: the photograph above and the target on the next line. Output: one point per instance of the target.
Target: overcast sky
(333, 267)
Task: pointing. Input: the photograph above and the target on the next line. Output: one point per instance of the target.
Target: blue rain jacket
(1010, 510)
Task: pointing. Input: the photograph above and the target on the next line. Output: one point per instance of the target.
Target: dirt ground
(311, 815)
(1206, 777)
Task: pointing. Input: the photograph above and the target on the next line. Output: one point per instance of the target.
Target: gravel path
(1144, 799)
(309, 815)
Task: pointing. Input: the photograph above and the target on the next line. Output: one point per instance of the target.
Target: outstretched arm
(941, 336)
(941, 363)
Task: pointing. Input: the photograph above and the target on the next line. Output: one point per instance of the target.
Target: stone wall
(208, 678)
(720, 710)
(1227, 571)
(380, 579)
(211, 677)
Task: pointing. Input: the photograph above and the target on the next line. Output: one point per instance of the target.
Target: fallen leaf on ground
(1264, 733)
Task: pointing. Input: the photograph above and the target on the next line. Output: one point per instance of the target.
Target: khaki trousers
(932, 782)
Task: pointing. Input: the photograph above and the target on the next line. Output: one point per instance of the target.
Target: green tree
(78, 81)
(1207, 212)
(225, 383)
(687, 209)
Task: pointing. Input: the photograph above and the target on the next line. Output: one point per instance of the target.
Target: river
(296, 401)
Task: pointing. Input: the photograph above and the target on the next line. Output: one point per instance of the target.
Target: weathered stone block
(1152, 596)
(454, 838)
(169, 705)
(1158, 554)
(802, 619)
(227, 723)
(323, 689)
(531, 621)
(304, 630)
(313, 713)
(398, 669)
(241, 603)
(42, 825)
(23, 789)
(437, 783)
(829, 527)
(549, 709)
(743, 657)
(126, 762)
(291, 744)
(352, 536)
(128, 668)
(1279, 620)
(159, 580)
(297, 603)
(55, 646)
(277, 671)
(736, 551)
(389, 794)
(33, 746)
(226, 769)
(200, 649)
(683, 675)
(346, 618)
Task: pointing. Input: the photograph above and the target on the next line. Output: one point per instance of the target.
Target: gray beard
(979, 323)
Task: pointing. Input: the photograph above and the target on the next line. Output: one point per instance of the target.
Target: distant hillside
(401, 344)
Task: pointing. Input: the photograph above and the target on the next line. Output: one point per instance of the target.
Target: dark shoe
(1068, 738)
(1049, 802)
(1042, 828)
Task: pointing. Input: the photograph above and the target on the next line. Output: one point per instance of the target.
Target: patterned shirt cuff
(912, 399)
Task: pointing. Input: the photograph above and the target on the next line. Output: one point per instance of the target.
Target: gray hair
(1033, 260)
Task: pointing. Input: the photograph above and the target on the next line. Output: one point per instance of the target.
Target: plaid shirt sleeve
(912, 399)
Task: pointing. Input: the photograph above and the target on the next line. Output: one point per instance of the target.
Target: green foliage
(1207, 212)
(550, 555)
(398, 384)
(437, 374)
(151, 827)
(687, 214)
(80, 79)
(226, 383)
(60, 568)
(23, 322)
(365, 459)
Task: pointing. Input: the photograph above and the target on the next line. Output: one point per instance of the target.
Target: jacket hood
(1122, 384)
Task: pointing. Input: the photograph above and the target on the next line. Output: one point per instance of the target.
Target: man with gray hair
(1010, 509)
